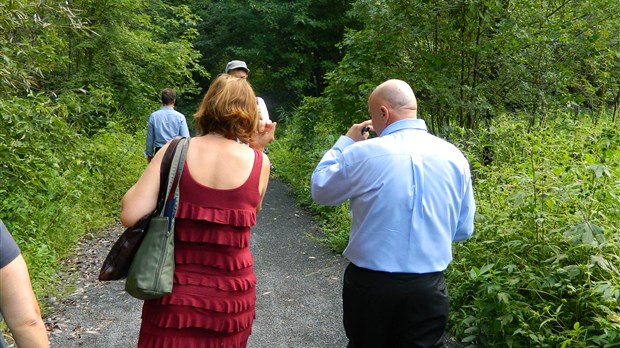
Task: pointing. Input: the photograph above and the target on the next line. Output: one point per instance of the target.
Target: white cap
(236, 64)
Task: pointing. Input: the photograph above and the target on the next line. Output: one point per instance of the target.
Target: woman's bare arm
(141, 198)
(19, 306)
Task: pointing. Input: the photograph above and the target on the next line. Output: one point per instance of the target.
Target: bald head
(394, 99)
(396, 94)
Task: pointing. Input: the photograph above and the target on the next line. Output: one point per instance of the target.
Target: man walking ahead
(410, 197)
(164, 124)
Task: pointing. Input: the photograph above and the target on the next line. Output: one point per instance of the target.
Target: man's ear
(385, 114)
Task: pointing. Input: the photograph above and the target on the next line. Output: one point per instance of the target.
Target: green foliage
(57, 183)
(543, 264)
(469, 61)
(30, 42)
(89, 110)
(133, 50)
(101, 57)
(288, 45)
(76, 80)
(296, 154)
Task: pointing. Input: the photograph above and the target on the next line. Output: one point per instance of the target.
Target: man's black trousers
(394, 310)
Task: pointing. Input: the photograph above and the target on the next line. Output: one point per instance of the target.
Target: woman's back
(220, 192)
(214, 288)
(219, 163)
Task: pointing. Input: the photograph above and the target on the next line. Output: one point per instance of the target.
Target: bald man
(410, 196)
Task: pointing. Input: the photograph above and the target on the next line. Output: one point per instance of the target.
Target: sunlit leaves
(31, 45)
(555, 205)
(469, 61)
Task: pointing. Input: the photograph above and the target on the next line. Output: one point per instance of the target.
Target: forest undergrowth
(542, 266)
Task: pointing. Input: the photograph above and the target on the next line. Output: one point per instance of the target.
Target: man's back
(168, 123)
(407, 191)
(410, 197)
(411, 189)
(163, 125)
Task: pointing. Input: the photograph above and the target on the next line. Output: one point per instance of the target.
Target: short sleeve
(8, 249)
(262, 109)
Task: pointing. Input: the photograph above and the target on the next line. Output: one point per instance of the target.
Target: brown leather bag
(116, 264)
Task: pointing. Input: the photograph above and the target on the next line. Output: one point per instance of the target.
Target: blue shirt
(410, 197)
(164, 124)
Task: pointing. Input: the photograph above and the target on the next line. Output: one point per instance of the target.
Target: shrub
(57, 183)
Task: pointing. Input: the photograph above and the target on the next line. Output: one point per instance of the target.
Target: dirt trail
(298, 291)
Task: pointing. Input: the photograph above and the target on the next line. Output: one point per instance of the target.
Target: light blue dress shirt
(164, 124)
(410, 197)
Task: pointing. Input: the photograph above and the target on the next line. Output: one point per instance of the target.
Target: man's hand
(356, 132)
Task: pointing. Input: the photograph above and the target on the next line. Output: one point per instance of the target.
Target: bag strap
(164, 174)
(172, 215)
(174, 177)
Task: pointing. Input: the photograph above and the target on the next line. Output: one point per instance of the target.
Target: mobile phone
(365, 130)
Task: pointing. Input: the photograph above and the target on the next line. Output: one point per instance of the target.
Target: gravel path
(298, 291)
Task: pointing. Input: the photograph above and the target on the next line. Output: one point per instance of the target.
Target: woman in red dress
(220, 193)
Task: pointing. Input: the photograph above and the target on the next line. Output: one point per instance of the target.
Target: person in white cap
(238, 68)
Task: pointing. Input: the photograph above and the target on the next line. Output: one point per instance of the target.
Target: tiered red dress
(212, 301)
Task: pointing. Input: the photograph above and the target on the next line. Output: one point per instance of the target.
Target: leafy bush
(58, 183)
(542, 267)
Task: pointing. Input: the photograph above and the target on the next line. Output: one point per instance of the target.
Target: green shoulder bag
(151, 272)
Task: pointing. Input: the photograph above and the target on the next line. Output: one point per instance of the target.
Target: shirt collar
(408, 123)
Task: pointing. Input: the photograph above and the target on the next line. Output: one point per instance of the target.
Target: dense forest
(528, 90)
